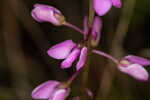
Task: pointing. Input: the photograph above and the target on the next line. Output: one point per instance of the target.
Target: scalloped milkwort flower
(52, 90)
(133, 66)
(103, 6)
(46, 13)
(69, 51)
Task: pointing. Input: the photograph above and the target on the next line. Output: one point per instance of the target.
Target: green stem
(91, 14)
(87, 65)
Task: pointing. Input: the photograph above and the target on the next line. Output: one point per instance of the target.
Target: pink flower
(52, 90)
(133, 66)
(103, 6)
(69, 51)
(46, 13)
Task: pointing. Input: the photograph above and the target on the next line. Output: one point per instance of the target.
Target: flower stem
(86, 71)
(73, 26)
(74, 76)
(87, 65)
(105, 55)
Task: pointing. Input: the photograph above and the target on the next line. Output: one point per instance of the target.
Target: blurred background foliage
(24, 63)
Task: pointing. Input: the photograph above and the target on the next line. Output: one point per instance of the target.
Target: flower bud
(96, 31)
(52, 90)
(46, 13)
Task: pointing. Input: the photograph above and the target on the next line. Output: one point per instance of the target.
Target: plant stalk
(87, 65)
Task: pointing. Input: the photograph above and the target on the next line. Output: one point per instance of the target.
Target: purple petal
(117, 3)
(135, 70)
(82, 58)
(138, 60)
(70, 59)
(60, 94)
(102, 6)
(44, 90)
(35, 16)
(96, 30)
(46, 13)
(85, 23)
(61, 50)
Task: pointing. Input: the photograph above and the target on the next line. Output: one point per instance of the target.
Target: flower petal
(70, 59)
(82, 58)
(138, 60)
(102, 6)
(117, 3)
(96, 30)
(60, 94)
(44, 90)
(61, 50)
(135, 70)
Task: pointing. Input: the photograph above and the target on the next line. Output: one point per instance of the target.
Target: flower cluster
(69, 51)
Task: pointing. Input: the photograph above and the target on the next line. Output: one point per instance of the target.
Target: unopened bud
(46, 13)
